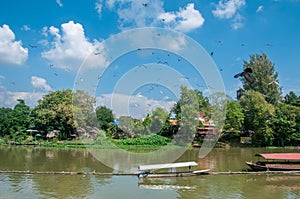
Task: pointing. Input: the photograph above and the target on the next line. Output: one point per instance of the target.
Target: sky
(133, 55)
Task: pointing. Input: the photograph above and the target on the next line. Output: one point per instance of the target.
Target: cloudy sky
(57, 44)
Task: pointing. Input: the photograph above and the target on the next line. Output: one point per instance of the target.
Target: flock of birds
(246, 73)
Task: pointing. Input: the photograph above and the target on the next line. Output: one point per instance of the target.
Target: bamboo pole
(136, 174)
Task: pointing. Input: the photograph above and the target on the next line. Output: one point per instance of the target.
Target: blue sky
(44, 43)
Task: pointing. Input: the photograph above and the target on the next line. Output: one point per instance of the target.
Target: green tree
(5, 121)
(20, 118)
(234, 117)
(105, 117)
(201, 100)
(285, 124)
(55, 112)
(127, 125)
(187, 110)
(158, 119)
(264, 76)
(257, 113)
(83, 109)
(218, 102)
(292, 99)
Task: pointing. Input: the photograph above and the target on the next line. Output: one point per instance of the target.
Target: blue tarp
(115, 122)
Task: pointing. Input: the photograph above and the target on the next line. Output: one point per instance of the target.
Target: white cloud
(59, 3)
(135, 14)
(136, 106)
(185, 20)
(110, 3)
(70, 47)
(237, 22)
(260, 8)
(167, 17)
(227, 9)
(9, 98)
(40, 83)
(98, 7)
(11, 51)
(26, 28)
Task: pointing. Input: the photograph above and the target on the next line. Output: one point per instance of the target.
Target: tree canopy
(259, 111)
(264, 76)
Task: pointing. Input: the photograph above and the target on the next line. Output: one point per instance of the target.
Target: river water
(129, 187)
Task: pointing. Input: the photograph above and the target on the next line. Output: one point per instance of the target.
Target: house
(52, 134)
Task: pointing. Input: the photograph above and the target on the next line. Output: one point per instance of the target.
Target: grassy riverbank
(149, 143)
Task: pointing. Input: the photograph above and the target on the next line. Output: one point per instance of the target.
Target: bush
(153, 140)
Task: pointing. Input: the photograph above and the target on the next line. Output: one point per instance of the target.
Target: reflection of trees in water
(66, 186)
(271, 186)
(127, 161)
(238, 186)
(53, 159)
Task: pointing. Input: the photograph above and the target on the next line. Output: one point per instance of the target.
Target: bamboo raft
(136, 174)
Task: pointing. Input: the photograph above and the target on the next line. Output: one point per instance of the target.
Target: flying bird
(246, 74)
(145, 4)
(32, 46)
(274, 82)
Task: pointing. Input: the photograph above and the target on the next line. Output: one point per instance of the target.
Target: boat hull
(274, 166)
(256, 167)
(173, 174)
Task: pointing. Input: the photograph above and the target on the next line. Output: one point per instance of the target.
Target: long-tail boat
(155, 170)
(276, 162)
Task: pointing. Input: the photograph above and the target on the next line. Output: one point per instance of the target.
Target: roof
(280, 156)
(166, 166)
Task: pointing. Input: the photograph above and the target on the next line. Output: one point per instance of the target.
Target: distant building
(52, 134)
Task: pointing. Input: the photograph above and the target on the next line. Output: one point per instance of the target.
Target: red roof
(280, 156)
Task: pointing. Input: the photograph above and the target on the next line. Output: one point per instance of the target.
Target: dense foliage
(259, 112)
(153, 140)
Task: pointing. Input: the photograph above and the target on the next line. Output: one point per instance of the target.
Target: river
(112, 186)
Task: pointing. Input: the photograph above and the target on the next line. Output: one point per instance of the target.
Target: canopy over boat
(166, 166)
(280, 156)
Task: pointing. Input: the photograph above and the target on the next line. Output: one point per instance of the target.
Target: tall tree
(286, 125)
(55, 112)
(194, 96)
(264, 76)
(83, 109)
(5, 121)
(234, 117)
(105, 117)
(292, 99)
(21, 116)
(258, 113)
(187, 110)
(158, 119)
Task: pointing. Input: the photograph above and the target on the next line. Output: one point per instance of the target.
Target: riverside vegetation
(260, 112)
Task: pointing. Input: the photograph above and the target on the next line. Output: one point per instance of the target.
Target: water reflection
(126, 161)
(93, 186)
(49, 159)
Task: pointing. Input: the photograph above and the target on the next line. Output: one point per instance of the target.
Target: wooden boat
(276, 162)
(148, 171)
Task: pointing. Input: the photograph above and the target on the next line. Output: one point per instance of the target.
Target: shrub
(153, 140)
